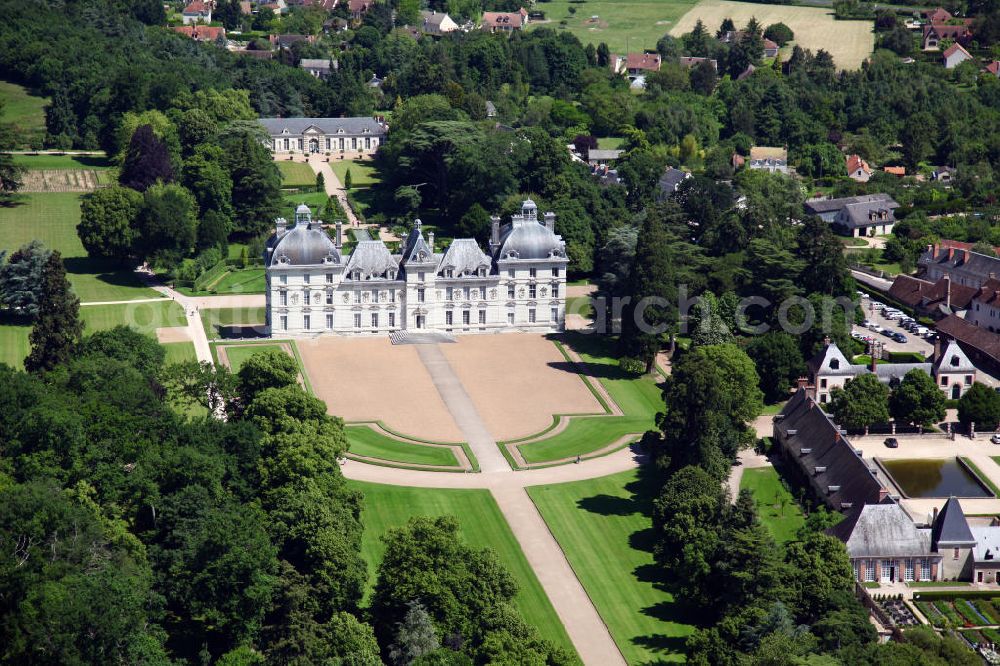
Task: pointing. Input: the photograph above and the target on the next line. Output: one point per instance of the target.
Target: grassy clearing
(778, 510)
(315, 201)
(296, 174)
(610, 142)
(14, 343)
(145, 317)
(90, 162)
(849, 42)
(603, 526)
(482, 526)
(179, 352)
(362, 172)
(51, 218)
(633, 24)
(236, 281)
(367, 442)
(580, 305)
(238, 355)
(229, 322)
(639, 399)
(770, 410)
(26, 112)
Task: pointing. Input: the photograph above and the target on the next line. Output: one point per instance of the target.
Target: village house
(279, 7)
(993, 68)
(519, 285)
(504, 21)
(669, 182)
(635, 64)
(733, 36)
(950, 368)
(436, 23)
(935, 33)
(597, 156)
(865, 215)
(954, 56)
(898, 171)
(984, 309)
(932, 299)
(979, 344)
(318, 67)
(765, 158)
(326, 5)
(197, 12)
(202, 33)
(857, 169)
(958, 262)
(345, 136)
(286, 41)
(939, 15)
(691, 62)
(359, 8)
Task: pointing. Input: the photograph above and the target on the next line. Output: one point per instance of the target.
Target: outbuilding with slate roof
(953, 540)
(340, 136)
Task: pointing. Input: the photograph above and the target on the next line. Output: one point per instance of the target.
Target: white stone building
(312, 288)
(338, 136)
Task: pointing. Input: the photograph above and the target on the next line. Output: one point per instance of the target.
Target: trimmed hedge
(950, 595)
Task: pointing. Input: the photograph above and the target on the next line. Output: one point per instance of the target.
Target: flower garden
(962, 612)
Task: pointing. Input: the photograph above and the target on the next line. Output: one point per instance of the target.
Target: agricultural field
(849, 42)
(52, 217)
(482, 526)
(603, 526)
(778, 510)
(632, 25)
(296, 175)
(362, 172)
(26, 112)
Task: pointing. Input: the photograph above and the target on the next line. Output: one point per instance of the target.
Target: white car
(995, 438)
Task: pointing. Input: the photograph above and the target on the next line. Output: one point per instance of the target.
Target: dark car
(899, 337)
(892, 442)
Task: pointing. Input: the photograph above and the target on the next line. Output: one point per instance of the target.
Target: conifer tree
(58, 329)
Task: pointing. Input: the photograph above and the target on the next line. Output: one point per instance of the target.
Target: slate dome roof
(529, 239)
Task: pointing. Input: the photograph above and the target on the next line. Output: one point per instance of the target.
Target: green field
(145, 317)
(482, 526)
(367, 442)
(639, 398)
(52, 217)
(92, 162)
(315, 201)
(14, 344)
(633, 25)
(178, 352)
(217, 321)
(778, 510)
(296, 175)
(235, 281)
(238, 355)
(362, 172)
(580, 305)
(26, 112)
(604, 527)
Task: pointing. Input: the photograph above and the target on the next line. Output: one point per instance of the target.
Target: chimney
(937, 348)
(550, 221)
(494, 230)
(947, 291)
(338, 240)
(803, 382)
(930, 248)
(875, 355)
(951, 253)
(934, 517)
(430, 241)
(280, 227)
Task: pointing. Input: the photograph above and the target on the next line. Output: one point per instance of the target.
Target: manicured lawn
(362, 172)
(633, 24)
(482, 526)
(772, 409)
(236, 281)
(26, 112)
(579, 305)
(225, 322)
(144, 317)
(778, 510)
(366, 442)
(315, 201)
(937, 583)
(603, 526)
(238, 355)
(610, 142)
(92, 162)
(296, 174)
(987, 480)
(178, 352)
(14, 344)
(638, 397)
(52, 217)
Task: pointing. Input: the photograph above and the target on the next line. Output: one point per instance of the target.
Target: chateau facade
(312, 288)
(338, 136)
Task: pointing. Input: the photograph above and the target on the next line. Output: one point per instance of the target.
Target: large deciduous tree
(57, 330)
(980, 405)
(779, 363)
(126, 344)
(863, 402)
(167, 225)
(147, 161)
(107, 222)
(917, 400)
(266, 369)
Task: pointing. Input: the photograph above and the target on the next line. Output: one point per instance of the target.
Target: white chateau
(352, 137)
(313, 289)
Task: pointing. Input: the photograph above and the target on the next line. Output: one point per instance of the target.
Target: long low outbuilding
(340, 136)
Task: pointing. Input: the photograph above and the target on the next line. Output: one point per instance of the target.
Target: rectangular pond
(934, 478)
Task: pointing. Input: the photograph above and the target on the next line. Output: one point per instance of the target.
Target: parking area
(873, 313)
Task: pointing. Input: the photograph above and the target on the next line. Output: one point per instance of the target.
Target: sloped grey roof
(857, 214)
(987, 548)
(416, 249)
(433, 18)
(817, 206)
(837, 473)
(464, 256)
(950, 529)
(825, 360)
(887, 372)
(530, 239)
(953, 359)
(970, 262)
(314, 63)
(277, 126)
(302, 245)
(601, 154)
(882, 530)
(671, 179)
(371, 258)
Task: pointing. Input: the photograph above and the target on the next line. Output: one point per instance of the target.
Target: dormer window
(482, 271)
(954, 361)
(340, 130)
(449, 273)
(834, 364)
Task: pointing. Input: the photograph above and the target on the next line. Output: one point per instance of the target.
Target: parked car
(867, 323)
(922, 331)
(995, 438)
(899, 337)
(887, 333)
(872, 326)
(891, 443)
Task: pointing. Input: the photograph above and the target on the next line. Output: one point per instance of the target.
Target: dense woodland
(134, 532)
